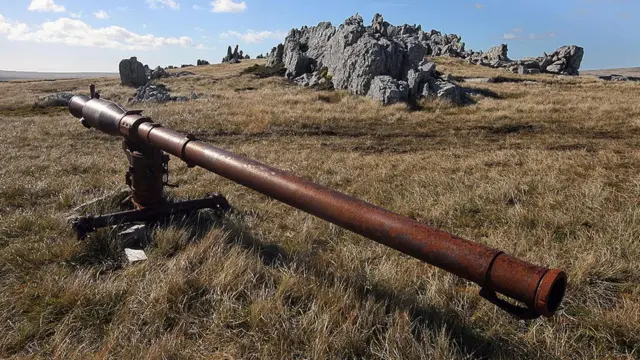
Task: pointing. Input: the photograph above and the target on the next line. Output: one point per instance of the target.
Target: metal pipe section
(540, 289)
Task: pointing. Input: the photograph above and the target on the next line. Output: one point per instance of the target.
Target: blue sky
(82, 35)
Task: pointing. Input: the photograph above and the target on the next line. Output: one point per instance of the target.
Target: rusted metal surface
(147, 173)
(539, 288)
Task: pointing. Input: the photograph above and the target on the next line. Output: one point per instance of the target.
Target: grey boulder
(388, 90)
(132, 72)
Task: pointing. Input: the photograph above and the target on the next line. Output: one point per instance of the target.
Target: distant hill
(27, 75)
(634, 71)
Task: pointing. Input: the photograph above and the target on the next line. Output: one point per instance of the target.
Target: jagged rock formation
(495, 57)
(157, 93)
(382, 61)
(566, 61)
(234, 57)
(275, 56)
(132, 72)
(260, 56)
(202, 62)
(355, 54)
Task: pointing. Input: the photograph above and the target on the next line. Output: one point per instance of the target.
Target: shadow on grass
(473, 344)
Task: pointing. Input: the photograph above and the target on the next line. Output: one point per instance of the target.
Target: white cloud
(255, 36)
(101, 14)
(509, 36)
(77, 33)
(479, 6)
(197, 7)
(75, 15)
(45, 6)
(158, 4)
(12, 28)
(228, 6)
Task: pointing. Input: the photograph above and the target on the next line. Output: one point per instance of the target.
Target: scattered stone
(132, 72)
(183, 73)
(202, 62)
(134, 255)
(523, 70)
(157, 93)
(186, 65)
(615, 77)
(57, 99)
(312, 80)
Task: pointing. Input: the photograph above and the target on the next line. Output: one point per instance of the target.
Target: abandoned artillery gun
(146, 144)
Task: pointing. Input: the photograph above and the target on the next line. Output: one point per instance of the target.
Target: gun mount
(539, 288)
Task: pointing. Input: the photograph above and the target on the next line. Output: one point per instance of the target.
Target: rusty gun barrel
(539, 288)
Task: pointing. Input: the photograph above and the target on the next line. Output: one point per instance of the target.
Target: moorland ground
(546, 171)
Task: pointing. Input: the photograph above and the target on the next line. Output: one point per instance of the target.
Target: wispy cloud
(76, 15)
(541, 36)
(516, 34)
(101, 14)
(77, 33)
(255, 36)
(159, 4)
(228, 6)
(45, 6)
(478, 6)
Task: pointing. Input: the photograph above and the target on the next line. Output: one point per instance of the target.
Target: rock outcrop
(382, 61)
(495, 57)
(276, 55)
(202, 62)
(132, 72)
(566, 61)
(234, 57)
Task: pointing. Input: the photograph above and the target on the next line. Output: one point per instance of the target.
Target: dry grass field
(546, 171)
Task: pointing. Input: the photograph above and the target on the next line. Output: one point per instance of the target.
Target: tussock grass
(547, 171)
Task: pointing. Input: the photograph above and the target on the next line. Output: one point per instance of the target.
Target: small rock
(158, 73)
(134, 255)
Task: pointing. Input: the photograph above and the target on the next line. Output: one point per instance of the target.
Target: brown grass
(545, 171)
